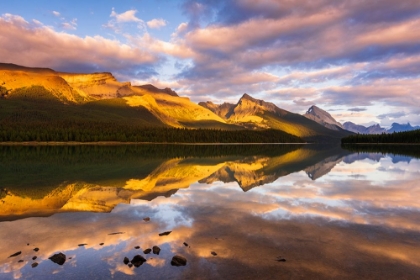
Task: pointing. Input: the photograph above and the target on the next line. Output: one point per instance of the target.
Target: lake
(232, 211)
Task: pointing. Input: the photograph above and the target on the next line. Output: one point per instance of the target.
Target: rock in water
(156, 250)
(214, 253)
(137, 247)
(59, 258)
(138, 260)
(147, 251)
(36, 249)
(35, 264)
(15, 254)
(147, 219)
(126, 260)
(34, 258)
(101, 244)
(178, 260)
(165, 233)
(185, 244)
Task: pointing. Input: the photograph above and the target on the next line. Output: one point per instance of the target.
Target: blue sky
(359, 60)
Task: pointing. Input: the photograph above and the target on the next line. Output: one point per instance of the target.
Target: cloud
(70, 25)
(391, 115)
(119, 20)
(37, 44)
(128, 16)
(357, 109)
(156, 23)
(55, 13)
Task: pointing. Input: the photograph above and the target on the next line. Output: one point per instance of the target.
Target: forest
(405, 137)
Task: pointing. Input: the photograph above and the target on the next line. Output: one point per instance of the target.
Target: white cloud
(128, 16)
(156, 23)
(57, 14)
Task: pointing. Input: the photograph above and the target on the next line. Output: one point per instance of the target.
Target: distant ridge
(324, 118)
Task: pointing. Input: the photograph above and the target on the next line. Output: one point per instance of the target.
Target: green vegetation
(406, 137)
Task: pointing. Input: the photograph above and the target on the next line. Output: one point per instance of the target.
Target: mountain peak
(322, 117)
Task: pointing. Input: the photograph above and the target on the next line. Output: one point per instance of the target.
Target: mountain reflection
(331, 213)
(42, 180)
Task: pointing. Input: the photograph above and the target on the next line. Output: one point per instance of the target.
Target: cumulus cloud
(55, 13)
(38, 44)
(156, 23)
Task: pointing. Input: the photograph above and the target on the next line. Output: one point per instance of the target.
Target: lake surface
(243, 212)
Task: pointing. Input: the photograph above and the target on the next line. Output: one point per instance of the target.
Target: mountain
(95, 97)
(254, 113)
(373, 129)
(396, 127)
(37, 97)
(322, 117)
(377, 129)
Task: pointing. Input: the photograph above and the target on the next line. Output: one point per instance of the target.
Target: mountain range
(34, 96)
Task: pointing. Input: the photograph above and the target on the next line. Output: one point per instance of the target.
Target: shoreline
(116, 143)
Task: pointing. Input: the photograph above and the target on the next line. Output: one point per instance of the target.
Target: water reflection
(330, 213)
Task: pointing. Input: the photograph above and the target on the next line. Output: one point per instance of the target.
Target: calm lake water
(234, 212)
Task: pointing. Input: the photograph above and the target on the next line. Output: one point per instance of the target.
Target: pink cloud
(39, 45)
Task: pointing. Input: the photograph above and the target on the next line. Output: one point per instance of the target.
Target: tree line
(70, 131)
(406, 137)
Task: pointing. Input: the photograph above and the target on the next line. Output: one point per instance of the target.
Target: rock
(20, 261)
(214, 253)
(280, 259)
(130, 265)
(147, 251)
(83, 244)
(147, 219)
(126, 260)
(101, 244)
(15, 254)
(178, 260)
(27, 244)
(138, 260)
(137, 247)
(156, 250)
(165, 233)
(36, 249)
(35, 264)
(185, 244)
(34, 258)
(70, 258)
(59, 258)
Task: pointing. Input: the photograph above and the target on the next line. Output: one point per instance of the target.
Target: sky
(359, 60)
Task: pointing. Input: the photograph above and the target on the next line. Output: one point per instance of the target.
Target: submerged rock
(138, 260)
(147, 219)
(101, 244)
(126, 260)
(280, 259)
(20, 261)
(130, 265)
(214, 253)
(178, 260)
(34, 258)
(15, 254)
(59, 258)
(147, 251)
(137, 247)
(114, 233)
(156, 250)
(35, 264)
(165, 233)
(185, 244)
(81, 245)
(36, 249)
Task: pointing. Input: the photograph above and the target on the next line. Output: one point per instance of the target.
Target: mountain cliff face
(396, 127)
(322, 117)
(254, 113)
(103, 94)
